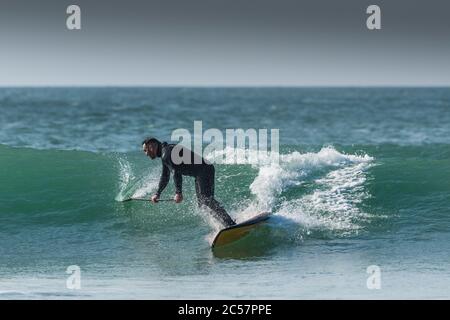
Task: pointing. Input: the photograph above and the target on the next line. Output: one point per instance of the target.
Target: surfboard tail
(238, 231)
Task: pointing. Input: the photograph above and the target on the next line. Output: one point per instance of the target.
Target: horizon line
(224, 86)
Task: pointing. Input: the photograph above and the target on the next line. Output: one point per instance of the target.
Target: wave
(337, 179)
(326, 191)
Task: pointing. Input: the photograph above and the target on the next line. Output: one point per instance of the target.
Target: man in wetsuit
(197, 167)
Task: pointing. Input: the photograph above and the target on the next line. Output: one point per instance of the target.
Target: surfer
(197, 167)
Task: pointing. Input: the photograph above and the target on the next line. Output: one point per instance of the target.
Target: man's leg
(204, 186)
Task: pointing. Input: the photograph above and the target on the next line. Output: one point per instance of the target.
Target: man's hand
(178, 198)
(155, 198)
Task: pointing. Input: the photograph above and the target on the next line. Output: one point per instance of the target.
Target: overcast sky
(225, 42)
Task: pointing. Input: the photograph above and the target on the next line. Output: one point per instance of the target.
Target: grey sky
(225, 42)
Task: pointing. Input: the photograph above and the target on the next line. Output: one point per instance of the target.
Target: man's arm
(178, 180)
(165, 175)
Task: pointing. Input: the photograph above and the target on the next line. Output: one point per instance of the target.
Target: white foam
(242, 156)
(334, 204)
(129, 187)
(293, 168)
(338, 189)
(125, 176)
(148, 187)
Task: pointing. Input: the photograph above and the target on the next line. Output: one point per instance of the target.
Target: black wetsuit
(203, 172)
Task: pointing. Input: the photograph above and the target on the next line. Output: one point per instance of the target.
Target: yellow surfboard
(238, 231)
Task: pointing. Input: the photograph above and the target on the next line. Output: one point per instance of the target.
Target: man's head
(150, 147)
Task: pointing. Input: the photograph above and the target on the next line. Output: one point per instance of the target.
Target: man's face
(150, 150)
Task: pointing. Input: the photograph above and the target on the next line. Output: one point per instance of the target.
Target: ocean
(360, 196)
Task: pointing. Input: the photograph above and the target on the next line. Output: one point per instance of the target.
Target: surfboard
(238, 231)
